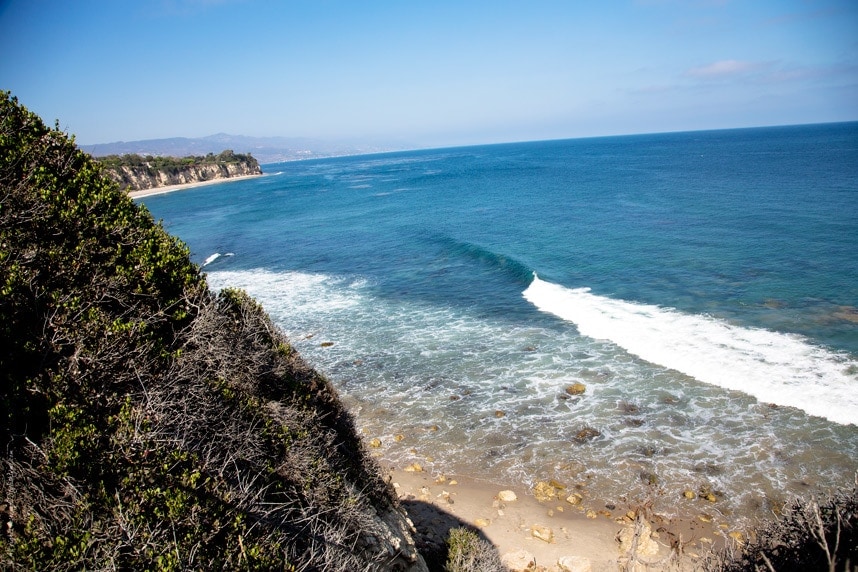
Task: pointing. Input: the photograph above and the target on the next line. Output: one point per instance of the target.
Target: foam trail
(784, 369)
(215, 256)
(211, 258)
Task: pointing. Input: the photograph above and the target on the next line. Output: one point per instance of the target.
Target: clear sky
(428, 72)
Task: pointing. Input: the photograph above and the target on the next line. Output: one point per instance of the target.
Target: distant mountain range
(264, 149)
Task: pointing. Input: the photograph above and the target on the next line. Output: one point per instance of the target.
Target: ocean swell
(508, 265)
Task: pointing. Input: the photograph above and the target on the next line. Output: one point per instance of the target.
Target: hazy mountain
(265, 149)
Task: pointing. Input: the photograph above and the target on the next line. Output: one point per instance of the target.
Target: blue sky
(428, 73)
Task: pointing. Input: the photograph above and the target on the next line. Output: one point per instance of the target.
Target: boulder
(577, 388)
(542, 533)
(545, 491)
(574, 564)
(507, 496)
(518, 561)
(638, 537)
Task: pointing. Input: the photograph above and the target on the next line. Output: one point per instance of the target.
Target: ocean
(702, 287)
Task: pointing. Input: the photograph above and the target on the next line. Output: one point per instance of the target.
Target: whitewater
(773, 367)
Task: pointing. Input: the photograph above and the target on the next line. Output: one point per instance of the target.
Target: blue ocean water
(703, 287)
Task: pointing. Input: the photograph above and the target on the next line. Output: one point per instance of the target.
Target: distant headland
(134, 172)
(265, 149)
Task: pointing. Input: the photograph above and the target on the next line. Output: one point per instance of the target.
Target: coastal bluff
(136, 172)
(147, 421)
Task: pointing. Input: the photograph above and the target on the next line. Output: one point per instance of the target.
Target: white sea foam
(282, 293)
(215, 256)
(211, 258)
(783, 369)
(398, 363)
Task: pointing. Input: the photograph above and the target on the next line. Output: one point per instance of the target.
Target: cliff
(136, 173)
(147, 422)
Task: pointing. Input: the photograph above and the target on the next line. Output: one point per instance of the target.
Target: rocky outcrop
(145, 176)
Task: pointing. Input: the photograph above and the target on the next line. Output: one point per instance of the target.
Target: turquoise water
(703, 286)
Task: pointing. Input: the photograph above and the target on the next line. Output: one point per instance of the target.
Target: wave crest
(784, 369)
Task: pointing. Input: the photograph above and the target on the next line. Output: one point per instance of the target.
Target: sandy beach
(170, 188)
(554, 534)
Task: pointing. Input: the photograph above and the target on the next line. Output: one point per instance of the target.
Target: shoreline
(171, 188)
(550, 532)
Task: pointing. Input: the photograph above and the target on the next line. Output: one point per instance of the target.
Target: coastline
(170, 188)
(578, 538)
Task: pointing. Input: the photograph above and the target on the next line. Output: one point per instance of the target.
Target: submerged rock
(586, 434)
(628, 407)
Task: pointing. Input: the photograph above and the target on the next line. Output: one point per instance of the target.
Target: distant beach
(171, 188)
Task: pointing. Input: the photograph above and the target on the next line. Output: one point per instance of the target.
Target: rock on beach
(507, 496)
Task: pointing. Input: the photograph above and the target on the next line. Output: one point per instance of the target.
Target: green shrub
(467, 552)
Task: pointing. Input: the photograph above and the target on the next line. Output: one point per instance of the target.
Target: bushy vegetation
(467, 552)
(135, 172)
(807, 537)
(167, 163)
(145, 422)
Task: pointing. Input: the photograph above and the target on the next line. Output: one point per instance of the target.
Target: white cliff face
(144, 177)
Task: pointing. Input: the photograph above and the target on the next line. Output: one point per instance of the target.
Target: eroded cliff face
(139, 177)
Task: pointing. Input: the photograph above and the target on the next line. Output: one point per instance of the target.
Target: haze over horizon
(429, 74)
